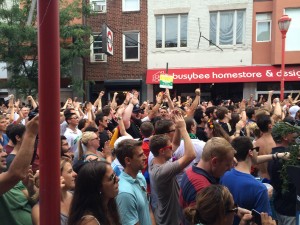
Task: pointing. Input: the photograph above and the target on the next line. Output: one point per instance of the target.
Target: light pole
(283, 23)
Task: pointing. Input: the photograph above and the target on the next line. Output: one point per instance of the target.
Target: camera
(33, 113)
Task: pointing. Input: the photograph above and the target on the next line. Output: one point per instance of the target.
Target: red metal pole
(282, 67)
(49, 95)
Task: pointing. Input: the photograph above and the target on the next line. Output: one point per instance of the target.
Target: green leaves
(19, 47)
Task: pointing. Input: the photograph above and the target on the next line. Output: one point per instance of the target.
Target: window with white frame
(130, 5)
(131, 46)
(227, 27)
(293, 34)
(96, 49)
(263, 27)
(98, 6)
(171, 31)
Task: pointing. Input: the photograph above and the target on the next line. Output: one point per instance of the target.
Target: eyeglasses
(235, 209)
(169, 147)
(170, 131)
(255, 148)
(76, 117)
(113, 178)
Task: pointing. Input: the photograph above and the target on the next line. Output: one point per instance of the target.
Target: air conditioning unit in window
(98, 57)
(99, 8)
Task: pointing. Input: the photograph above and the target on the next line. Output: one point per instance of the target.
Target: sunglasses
(113, 178)
(235, 209)
(170, 131)
(255, 148)
(169, 147)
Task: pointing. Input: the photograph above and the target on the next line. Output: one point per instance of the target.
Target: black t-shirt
(284, 204)
(201, 135)
(134, 129)
(103, 138)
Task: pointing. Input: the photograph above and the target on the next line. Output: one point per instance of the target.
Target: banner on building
(225, 75)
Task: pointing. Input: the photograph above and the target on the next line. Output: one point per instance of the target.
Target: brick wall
(119, 22)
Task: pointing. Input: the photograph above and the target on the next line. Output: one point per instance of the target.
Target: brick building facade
(128, 22)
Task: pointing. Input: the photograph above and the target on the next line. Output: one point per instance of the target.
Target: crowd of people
(168, 162)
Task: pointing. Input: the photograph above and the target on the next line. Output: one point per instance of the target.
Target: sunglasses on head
(235, 209)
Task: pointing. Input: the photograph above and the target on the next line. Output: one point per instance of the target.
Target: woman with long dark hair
(213, 129)
(93, 201)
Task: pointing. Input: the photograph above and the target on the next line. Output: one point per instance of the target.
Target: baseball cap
(293, 110)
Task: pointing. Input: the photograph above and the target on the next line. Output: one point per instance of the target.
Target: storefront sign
(225, 75)
(166, 81)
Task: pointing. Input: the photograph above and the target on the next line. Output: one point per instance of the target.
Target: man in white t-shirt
(72, 133)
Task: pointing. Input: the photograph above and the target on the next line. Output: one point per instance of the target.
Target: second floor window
(263, 27)
(130, 5)
(227, 27)
(98, 5)
(131, 49)
(96, 49)
(171, 31)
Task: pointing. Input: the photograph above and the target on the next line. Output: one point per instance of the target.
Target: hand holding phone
(256, 217)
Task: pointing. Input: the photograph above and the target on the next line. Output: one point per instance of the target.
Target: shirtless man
(265, 142)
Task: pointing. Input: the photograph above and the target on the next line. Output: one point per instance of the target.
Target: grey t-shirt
(165, 185)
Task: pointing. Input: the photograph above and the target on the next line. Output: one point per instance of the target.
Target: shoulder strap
(91, 217)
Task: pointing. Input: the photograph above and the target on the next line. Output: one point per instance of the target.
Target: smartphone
(256, 218)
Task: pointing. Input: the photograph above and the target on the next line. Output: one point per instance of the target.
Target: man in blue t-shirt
(133, 202)
(247, 192)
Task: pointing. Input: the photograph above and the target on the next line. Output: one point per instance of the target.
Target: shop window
(96, 49)
(293, 34)
(98, 6)
(263, 27)
(171, 31)
(227, 27)
(131, 46)
(130, 5)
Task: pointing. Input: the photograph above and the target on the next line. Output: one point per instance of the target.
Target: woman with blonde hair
(88, 145)
(67, 184)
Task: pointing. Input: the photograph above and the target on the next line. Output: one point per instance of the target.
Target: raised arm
(114, 102)
(19, 167)
(189, 151)
(195, 103)
(32, 101)
(170, 102)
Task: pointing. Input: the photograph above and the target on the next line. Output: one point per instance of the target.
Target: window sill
(131, 61)
(229, 47)
(132, 11)
(181, 49)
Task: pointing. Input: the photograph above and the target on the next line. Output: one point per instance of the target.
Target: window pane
(213, 27)
(183, 31)
(131, 39)
(131, 53)
(171, 31)
(131, 5)
(226, 28)
(158, 31)
(263, 31)
(97, 44)
(240, 27)
(293, 34)
(131, 45)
